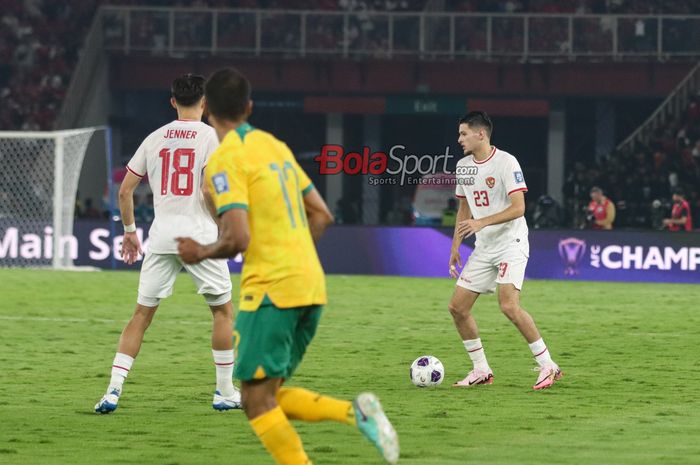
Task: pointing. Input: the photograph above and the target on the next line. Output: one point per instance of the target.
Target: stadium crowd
(40, 39)
(39, 44)
(641, 182)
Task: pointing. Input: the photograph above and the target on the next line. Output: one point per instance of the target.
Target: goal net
(38, 186)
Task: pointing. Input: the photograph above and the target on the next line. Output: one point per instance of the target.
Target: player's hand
(189, 250)
(455, 263)
(667, 222)
(468, 227)
(131, 248)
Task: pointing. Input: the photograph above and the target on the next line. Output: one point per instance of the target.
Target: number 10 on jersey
(184, 169)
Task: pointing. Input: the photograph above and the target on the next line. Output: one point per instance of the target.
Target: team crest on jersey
(490, 181)
(518, 177)
(220, 182)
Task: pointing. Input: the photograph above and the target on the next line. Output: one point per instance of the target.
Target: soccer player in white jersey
(490, 189)
(173, 157)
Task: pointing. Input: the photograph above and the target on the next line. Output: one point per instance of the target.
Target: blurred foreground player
(269, 210)
(174, 157)
(490, 189)
(681, 219)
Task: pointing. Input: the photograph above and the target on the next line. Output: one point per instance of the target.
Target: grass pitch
(629, 394)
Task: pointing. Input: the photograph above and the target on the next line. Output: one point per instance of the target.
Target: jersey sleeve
(513, 177)
(137, 164)
(227, 181)
(460, 193)
(305, 183)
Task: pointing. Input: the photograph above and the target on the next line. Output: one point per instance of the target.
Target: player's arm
(609, 216)
(227, 183)
(463, 214)
(516, 209)
(679, 221)
(131, 247)
(234, 237)
(318, 214)
(209, 202)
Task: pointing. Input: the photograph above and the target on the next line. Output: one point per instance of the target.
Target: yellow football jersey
(255, 171)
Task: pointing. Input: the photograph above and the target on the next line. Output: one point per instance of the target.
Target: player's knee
(143, 315)
(217, 300)
(510, 309)
(457, 310)
(256, 403)
(147, 301)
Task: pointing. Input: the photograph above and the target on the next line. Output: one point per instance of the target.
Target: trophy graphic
(571, 251)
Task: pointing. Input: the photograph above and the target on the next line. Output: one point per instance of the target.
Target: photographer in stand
(680, 213)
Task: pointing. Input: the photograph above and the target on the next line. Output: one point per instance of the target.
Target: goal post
(38, 188)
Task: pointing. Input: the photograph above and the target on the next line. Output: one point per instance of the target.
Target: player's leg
(132, 336)
(477, 277)
(226, 396)
(213, 281)
(263, 346)
(510, 280)
(365, 412)
(158, 274)
(270, 424)
(301, 404)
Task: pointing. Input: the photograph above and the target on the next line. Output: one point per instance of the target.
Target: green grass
(629, 395)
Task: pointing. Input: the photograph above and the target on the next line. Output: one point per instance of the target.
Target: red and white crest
(490, 181)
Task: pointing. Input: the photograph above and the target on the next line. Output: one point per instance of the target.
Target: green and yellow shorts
(270, 342)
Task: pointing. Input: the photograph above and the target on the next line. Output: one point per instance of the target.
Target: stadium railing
(426, 35)
(670, 109)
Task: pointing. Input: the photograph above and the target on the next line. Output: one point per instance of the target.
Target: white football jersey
(486, 186)
(174, 156)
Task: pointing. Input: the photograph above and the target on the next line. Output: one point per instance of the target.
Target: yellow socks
(278, 435)
(280, 438)
(300, 404)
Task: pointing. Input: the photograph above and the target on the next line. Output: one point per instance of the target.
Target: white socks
(120, 370)
(477, 354)
(539, 350)
(223, 359)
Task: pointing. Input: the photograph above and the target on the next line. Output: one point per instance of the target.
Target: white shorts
(486, 269)
(159, 271)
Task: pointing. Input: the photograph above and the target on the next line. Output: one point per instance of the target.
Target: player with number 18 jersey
(174, 157)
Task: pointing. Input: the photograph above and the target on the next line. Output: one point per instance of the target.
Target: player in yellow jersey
(269, 210)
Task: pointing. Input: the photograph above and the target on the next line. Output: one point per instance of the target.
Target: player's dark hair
(679, 191)
(228, 93)
(596, 189)
(187, 89)
(478, 119)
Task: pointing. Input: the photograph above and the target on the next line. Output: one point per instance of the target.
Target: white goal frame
(60, 214)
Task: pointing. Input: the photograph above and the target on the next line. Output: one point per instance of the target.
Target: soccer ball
(427, 371)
